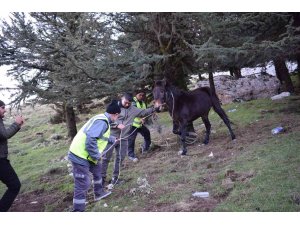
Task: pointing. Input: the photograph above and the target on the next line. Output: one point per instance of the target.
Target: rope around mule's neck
(173, 105)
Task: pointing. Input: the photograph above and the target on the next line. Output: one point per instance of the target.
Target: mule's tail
(218, 109)
(215, 101)
(217, 104)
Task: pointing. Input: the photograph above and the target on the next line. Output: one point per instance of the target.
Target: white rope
(189, 141)
(111, 186)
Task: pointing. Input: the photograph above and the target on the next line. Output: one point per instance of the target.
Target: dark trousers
(9, 177)
(120, 153)
(144, 131)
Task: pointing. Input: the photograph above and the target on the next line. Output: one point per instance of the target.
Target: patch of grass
(34, 156)
(276, 164)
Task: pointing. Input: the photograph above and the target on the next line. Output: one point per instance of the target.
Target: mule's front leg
(183, 131)
(175, 128)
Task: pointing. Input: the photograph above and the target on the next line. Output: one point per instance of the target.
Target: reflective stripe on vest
(137, 122)
(78, 146)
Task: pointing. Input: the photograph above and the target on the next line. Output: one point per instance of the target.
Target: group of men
(91, 149)
(93, 146)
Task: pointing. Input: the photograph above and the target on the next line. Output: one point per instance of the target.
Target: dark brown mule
(187, 106)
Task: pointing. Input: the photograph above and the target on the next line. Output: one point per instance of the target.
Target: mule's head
(159, 93)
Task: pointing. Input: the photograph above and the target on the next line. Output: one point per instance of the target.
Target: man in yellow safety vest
(86, 151)
(138, 127)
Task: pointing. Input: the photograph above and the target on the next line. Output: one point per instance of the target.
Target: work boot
(116, 180)
(133, 159)
(102, 195)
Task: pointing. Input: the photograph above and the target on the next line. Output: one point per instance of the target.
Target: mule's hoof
(183, 153)
(176, 132)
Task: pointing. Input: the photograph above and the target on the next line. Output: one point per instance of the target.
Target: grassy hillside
(257, 172)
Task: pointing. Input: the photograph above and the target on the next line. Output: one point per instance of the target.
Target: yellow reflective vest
(78, 146)
(137, 122)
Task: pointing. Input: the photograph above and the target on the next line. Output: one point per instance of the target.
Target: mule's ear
(156, 82)
(166, 82)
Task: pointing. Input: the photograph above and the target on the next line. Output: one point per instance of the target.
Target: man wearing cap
(86, 151)
(7, 174)
(138, 127)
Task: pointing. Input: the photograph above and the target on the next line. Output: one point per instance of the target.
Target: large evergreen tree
(237, 40)
(62, 58)
(160, 37)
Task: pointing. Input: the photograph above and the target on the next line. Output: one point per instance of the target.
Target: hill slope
(257, 172)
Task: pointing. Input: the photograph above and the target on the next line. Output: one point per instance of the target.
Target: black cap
(140, 90)
(113, 107)
(1, 103)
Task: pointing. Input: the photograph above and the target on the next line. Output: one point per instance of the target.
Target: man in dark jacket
(7, 174)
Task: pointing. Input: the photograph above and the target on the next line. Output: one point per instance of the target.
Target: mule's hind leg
(208, 127)
(224, 117)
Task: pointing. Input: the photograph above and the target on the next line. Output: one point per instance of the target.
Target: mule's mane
(177, 91)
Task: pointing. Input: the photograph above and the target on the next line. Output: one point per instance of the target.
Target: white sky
(5, 82)
(149, 6)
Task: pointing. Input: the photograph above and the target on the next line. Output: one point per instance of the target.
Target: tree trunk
(296, 23)
(200, 77)
(231, 71)
(298, 68)
(211, 81)
(236, 72)
(71, 121)
(283, 75)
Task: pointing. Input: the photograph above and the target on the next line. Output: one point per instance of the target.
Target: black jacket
(6, 134)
